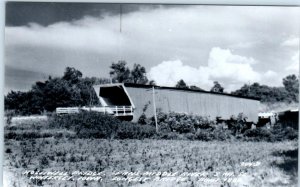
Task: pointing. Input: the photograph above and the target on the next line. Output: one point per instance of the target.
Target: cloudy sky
(200, 44)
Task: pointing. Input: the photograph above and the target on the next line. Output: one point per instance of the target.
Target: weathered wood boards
(191, 102)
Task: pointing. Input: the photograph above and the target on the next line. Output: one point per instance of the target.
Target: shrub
(98, 125)
(217, 133)
(290, 133)
(284, 133)
(170, 136)
(171, 126)
(221, 134)
(237, 124)
(181, 123)
(259, 134)
(128, 130)
(204, 135)
(201, 122)
(142, 119)
(190, 136)
(26, 135)
(86, 124)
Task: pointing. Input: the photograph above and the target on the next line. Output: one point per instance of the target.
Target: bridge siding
(204, 104)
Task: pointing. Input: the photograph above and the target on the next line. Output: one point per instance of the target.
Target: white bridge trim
(111, 110)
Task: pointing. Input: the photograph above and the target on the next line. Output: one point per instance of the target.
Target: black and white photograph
(147, 95)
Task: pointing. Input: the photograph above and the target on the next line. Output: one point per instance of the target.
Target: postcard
(132, 94)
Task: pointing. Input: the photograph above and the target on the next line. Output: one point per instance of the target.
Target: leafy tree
(193, 87)
(288, 93)
(152, 83)
(181, 84)
(291, 84)
(22, 102)
(72, 75)
(138, 74)
(120, 72)
(87, 92)
(66, 91)
(217, 87)
(264, 93)
(14, 99)
(58, 93)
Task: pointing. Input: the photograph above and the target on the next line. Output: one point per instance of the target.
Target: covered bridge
(135, 99)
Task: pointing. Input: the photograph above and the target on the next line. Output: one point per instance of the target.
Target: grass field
(249, 163)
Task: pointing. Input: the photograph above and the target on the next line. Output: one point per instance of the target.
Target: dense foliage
(173, 126)
(170, 126)
(289, 93)
(97, 125)
(181, 84)
(121, 73)
(69, 90)
(184, 126)
(217, 87)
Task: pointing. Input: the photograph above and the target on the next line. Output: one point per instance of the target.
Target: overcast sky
(200, 44)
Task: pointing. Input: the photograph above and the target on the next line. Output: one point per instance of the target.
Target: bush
(237, 124)
(175, 136)
(284, 133)
(221, 134)
(173, 126)
(201, 122)
(277, 133)
(86, 124)
(190, 136)
(142, 119)
(98, 125)
(204, 135)
(290, 133)
(26, 135)
(259, 134)
(128, 130)
(181, 123)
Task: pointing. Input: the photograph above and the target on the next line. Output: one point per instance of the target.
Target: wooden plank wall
(203, 104)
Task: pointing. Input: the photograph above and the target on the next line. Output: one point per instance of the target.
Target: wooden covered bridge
(132, 100)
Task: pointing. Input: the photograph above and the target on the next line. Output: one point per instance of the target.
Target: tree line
(288, 93)
(72, 89)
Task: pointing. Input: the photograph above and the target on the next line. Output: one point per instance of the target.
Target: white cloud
(223, 66)
(271, 78)
(294, 65)
(89, 34)
(292, 45)
(168, 73)
(245, 45)
(270, 74)
(188, 33)
(291, 42)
